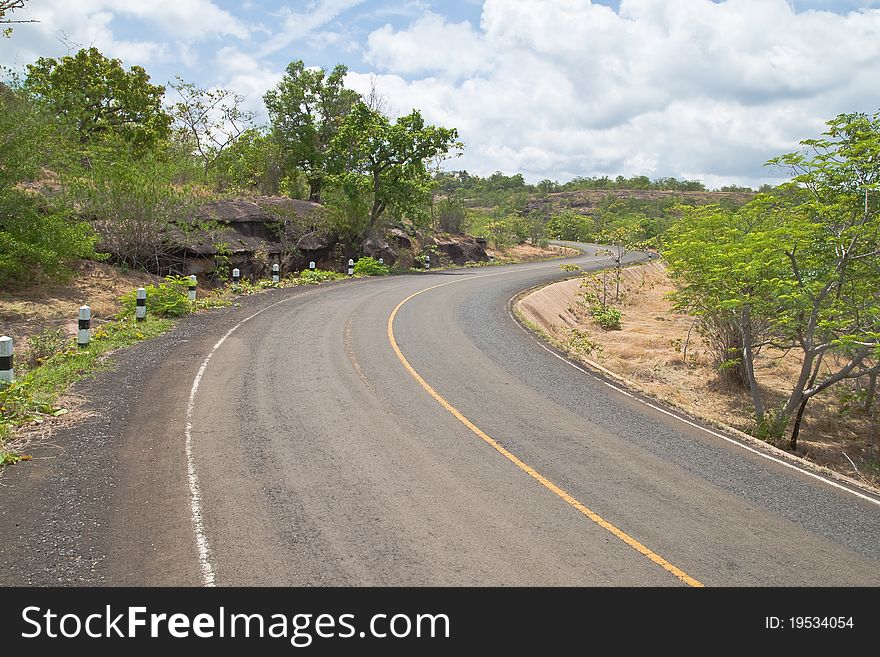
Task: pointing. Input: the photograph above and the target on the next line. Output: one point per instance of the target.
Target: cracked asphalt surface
(322, 461)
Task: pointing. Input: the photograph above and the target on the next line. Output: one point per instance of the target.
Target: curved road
(323, 445)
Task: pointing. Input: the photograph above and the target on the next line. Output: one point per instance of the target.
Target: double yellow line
(537, 476)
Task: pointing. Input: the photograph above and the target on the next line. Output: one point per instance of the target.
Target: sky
(553, 89)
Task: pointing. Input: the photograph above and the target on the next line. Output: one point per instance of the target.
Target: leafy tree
(38, 236)
(386, 163)
(571, 226)
(100, 100)
(834, 308)
(251, 163)
(307, 109)
(729, 271)
(208, 120)
(799, 269)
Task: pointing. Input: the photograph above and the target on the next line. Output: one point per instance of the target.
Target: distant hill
(588, 201)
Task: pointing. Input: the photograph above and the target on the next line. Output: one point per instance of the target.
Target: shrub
(606, 317)
(169, 299)
(313, 276)
(569, 267)
(368, 266)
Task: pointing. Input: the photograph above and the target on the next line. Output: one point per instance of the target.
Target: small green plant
(606, 317)
(222, 259)
(314, 276)
(368, 266)
(772, 428)
(44, 345)
(569, 267)
(168, 299)
(580, 342)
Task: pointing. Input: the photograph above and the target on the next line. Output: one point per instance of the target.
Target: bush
(569, 267)
(606, 317)
(169, 299)
(368, 266)
(313, 276)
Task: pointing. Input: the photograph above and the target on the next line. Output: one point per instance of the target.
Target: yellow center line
(595, 517)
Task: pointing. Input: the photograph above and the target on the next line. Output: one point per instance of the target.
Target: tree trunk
(749, 365)
(792, 443)
(872, 392)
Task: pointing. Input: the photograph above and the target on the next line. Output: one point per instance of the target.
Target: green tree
(386, 163)
(306, 110)
(799, 269)
(39, 236)
(834, 307)
(100, 100)
(571, 226)
(251, 163)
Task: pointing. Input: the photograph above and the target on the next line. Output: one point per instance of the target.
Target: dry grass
(28, 311)
(649, 351)
(529, 252)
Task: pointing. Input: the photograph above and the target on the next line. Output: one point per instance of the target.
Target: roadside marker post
(7, 373)
(381, 261)
(350, 267)
(192, 288)
(275, 273)
(312, 265)
(85, 322)
(427, 261)
(140, 310)
(236, 275)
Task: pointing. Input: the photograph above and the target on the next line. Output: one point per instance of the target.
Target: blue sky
(552, 88)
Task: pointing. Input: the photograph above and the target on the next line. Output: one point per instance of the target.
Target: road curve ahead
(407, 431)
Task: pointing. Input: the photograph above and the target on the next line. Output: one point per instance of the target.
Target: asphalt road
(308, 453)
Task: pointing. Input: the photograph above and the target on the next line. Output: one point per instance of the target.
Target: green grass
(34, 394)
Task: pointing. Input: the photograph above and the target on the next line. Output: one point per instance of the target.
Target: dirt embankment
(659, 352)
(27, 311)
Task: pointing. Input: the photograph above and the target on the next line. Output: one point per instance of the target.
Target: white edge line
(730, 440)
(202, 545)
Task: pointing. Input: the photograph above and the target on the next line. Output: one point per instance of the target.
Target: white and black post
(276, 275)
(85, 322)
(191, 292)
(427, 261)
(7, 374)
(350, 267)
(381, 261)
(140, 310)
(312, 265)
(236, 276)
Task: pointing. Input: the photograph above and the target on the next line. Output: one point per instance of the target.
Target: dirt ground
(657, 351)
(530, 253)
(29, 311)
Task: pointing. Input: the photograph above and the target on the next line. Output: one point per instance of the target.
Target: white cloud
(298, 25)
(173, 26)
(246, 75)
(685, 88)
(429, 45)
